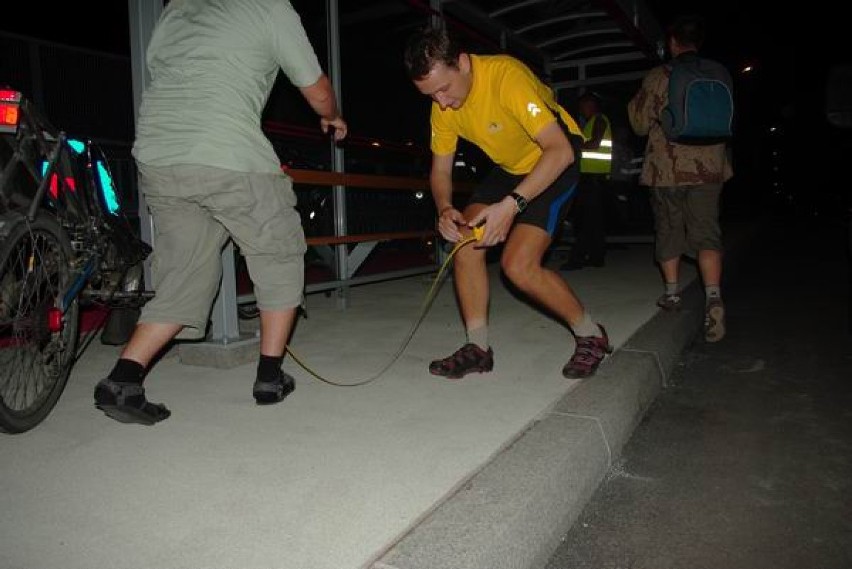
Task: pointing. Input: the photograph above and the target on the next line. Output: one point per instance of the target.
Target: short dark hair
(688, 30)
(427, 47)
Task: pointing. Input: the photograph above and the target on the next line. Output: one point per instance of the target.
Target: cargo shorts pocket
(262, 218)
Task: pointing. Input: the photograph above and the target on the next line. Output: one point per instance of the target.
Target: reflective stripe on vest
(598, 161)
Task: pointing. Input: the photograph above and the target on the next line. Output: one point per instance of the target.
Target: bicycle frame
(63, 241)
(74, 185)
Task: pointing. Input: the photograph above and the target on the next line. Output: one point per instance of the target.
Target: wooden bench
(372, 182)
(377, 237)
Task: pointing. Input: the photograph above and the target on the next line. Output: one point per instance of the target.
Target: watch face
(520, 200)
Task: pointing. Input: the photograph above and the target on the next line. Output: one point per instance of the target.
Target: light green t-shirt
(213, 64)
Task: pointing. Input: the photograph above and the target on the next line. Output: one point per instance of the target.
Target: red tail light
(54, 320)
(10, 102)
(8, 117)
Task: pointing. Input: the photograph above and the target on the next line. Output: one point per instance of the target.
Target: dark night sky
(739, 31)
(790, 49)
(780, 40)
(103, 28)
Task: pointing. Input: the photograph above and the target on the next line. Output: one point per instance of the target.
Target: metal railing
(225, 327)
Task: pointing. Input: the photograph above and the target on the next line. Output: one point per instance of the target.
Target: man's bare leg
(471, 278)
(121, 396)
(521, 262)
(272, 384)
(710, 266)
(275, 329)
(670, 268)
(472, 291)
(148, 340)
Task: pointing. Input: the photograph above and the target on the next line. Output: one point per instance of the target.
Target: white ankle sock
(478, 336)
(586, 327)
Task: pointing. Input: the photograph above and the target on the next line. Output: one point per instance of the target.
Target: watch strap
(520, 201)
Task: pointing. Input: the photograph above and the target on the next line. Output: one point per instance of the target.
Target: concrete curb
(514, 511)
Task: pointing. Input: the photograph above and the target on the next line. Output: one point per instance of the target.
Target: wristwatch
(520, 201)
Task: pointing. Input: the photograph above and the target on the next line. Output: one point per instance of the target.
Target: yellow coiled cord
(424, 309)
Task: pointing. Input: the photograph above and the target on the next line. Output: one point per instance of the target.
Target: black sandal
(126, 403)
(270, 392)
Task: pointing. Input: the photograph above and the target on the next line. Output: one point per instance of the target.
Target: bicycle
(64, 242)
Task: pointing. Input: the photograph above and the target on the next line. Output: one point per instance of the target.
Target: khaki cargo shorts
(686, 220)
(196, 209)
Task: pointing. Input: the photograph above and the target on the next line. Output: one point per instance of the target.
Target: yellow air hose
(424, 309)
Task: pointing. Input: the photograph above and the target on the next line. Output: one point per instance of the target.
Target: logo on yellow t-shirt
(533, 109)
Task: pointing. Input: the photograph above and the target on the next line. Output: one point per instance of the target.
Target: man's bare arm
(441, 182)
(320, 96)
(557, 155)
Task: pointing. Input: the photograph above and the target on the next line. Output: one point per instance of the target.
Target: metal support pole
(144, 15)
(435, 19)
(226, 324)
(338, 163)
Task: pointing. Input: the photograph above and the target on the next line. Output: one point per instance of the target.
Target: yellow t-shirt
(506, 109)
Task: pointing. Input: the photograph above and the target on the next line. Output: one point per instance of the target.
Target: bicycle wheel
(37, 341)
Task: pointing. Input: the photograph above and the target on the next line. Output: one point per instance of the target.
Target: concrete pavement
(744, 461)
(411, 471)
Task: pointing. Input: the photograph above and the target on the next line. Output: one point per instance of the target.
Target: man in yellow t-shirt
(498, 104)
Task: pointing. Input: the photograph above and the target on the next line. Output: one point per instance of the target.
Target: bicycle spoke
(33, 356)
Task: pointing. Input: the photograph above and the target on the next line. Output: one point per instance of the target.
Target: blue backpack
(701, 107)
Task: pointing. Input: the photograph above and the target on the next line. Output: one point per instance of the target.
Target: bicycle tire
(35, 362)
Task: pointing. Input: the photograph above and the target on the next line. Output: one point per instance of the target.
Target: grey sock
(671, 288)
(586, 327)
(712, 292)
(478, 336)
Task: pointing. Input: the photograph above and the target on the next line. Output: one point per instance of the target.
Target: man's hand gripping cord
(479, 232)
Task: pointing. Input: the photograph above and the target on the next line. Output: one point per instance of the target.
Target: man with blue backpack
(685, 108)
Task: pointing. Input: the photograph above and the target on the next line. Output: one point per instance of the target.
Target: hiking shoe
(588, 355)
(467, 359)
(714, 320)
(270, 392)
(126, 403)
(670, 302)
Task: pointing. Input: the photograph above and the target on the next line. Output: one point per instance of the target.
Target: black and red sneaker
(590, 352)
(467, 359)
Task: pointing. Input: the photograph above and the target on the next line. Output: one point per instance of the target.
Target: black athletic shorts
(548, 210)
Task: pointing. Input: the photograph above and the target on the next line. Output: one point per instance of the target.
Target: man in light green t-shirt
(209, 174)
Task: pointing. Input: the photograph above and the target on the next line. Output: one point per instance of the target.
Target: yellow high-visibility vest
(598, 161)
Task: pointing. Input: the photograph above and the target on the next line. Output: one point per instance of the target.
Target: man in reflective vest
(595, 167)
